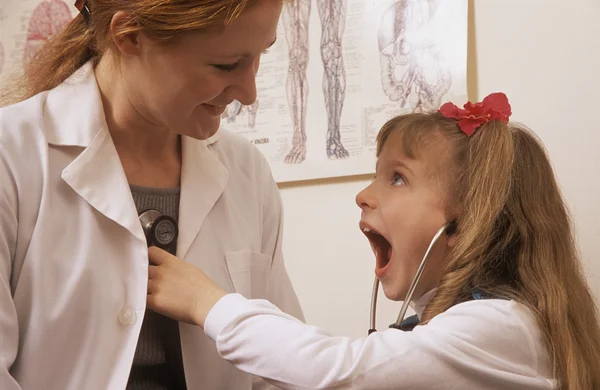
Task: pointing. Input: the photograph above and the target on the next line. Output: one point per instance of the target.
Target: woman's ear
(127, 43)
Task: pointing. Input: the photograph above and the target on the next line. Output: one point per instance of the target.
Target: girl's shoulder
(490, 312)
(505, 329)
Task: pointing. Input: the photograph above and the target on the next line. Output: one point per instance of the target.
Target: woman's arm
(9, 326)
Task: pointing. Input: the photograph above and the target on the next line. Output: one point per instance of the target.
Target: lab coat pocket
(249, 272)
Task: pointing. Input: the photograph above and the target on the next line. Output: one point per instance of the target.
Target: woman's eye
(228, 67)
(398, 179)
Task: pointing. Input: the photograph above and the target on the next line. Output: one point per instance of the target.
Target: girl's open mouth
(381, 246)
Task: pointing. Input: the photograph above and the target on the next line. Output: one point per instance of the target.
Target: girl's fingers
(157, 256)
(152, 271)
(152, 286)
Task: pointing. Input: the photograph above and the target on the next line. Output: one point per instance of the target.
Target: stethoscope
(448, 228)
(160, 230)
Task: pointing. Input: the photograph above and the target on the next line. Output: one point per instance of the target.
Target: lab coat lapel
(203, 180)
(75, 118)
(98, 177)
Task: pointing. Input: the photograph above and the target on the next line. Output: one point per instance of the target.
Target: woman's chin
(202, 131)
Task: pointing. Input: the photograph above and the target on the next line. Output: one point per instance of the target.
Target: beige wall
(544, 54)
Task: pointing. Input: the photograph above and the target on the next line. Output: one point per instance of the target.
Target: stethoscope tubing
(411, 289)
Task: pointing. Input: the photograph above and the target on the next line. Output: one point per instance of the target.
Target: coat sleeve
(475, 345)
(9, 330)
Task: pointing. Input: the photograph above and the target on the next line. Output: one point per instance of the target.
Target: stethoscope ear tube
(449, 228)
(373, 327)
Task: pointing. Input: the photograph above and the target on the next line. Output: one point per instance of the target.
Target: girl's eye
(398, 179)
(228, 67)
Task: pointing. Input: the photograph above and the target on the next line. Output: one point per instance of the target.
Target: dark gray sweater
(157, 363)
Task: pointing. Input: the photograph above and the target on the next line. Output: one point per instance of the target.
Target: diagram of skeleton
(48, 18)
(332, 14)
(411, 70)
(236, 108)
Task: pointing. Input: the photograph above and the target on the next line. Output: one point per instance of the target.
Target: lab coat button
(127, 316)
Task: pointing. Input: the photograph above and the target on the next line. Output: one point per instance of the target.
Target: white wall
(545, 55)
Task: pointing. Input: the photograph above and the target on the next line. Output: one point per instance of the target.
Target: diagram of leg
(296, 14)
(233, 110)
(47, 19)
(404, 45)
(252, 109)
(333, 14)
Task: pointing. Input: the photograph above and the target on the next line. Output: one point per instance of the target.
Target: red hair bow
(494, 107)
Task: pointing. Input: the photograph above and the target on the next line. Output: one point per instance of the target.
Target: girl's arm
(482, 344)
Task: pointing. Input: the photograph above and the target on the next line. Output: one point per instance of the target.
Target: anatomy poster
(24, 26)
(339, 70)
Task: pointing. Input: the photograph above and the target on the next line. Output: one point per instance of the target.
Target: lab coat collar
(74, 110)
(75, 117)
(420, 303)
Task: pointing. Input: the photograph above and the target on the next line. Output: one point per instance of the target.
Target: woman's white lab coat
(73, 257)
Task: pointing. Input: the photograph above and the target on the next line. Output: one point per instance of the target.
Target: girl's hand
(178, 289)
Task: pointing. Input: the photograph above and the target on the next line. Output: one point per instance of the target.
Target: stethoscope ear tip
(451, 228)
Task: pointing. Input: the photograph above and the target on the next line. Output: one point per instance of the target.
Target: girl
(502, 303)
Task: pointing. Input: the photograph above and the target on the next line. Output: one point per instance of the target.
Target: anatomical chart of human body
(24, 26)
(339, 70)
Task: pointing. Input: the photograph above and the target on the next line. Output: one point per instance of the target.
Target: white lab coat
(73, 257)
(490, 344)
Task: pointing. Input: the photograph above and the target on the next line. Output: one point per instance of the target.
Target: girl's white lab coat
(73, 257)
(490, 344)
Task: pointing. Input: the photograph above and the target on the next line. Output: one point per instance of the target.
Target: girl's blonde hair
(80, 41)
(514, 236)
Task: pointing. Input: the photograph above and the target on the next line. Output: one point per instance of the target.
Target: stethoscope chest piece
(160, 230)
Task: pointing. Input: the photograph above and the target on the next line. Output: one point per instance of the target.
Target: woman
(119, 114)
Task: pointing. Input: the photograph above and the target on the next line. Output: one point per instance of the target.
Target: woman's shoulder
(21, 126)
(19, 114)
(58, 115)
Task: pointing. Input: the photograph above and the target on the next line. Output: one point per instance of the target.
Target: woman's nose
(244, 90)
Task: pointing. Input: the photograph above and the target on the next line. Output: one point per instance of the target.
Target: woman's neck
(150, 154)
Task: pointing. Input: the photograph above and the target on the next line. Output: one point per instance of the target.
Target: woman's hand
(178, 289)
